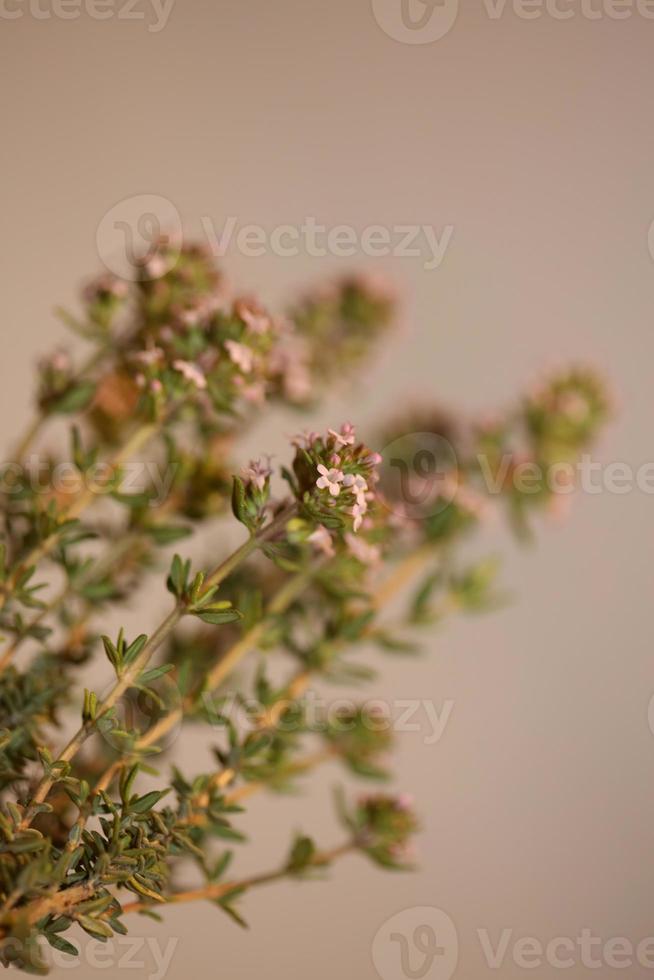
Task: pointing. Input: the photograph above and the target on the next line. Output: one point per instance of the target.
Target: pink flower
(288, 361)
(575, 406)
(258, 472)
(191, 372)
(241, 355)
(254, 393)
(367, 554)
(305, 440)
(156, 266)
(345, 437)
(107, 284)
(405, 802)
(254, 318)
(149, 357)
(329, 480)
(322, 540)
(357, 485)
(58, 361)
(358, 513)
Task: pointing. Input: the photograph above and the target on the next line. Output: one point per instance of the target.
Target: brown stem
(297, 768)
(213, 892)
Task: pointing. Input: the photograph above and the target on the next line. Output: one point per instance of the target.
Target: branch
(215, 892)
(152, 645)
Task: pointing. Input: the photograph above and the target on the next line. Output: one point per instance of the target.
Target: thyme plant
(96, 822)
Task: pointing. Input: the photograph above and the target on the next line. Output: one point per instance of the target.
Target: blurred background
(530, 139)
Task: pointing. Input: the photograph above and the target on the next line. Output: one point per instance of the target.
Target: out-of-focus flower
(241, 355)
(322, 540)
(363, 551)
(191, 372)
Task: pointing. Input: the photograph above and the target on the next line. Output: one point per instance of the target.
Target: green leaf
(75, 399)
(219, 618)
(239, 501)
(302, 854)
(58, 942)
(95, 927)
(153, 673)
(163, 534)
(147, 802)
(135, 648)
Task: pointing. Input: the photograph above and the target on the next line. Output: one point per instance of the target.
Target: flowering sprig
(182, 366)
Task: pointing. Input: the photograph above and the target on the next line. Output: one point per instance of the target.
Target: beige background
(534, 140)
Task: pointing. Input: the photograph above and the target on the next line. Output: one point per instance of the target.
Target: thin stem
(29, 436)
(217, 891)
(402, 574)
(283, 599)
(297, 768)
(159, 636)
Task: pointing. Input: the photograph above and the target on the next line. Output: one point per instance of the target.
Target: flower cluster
(334, 480)
(383, 826)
